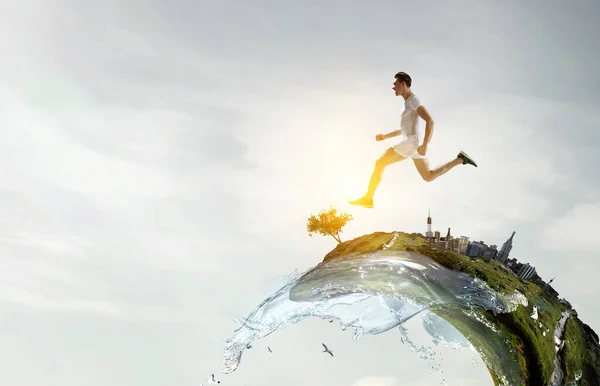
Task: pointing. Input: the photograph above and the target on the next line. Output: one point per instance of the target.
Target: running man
(408, 147)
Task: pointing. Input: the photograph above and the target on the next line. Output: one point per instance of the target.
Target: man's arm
(424, 114)
(392, 134)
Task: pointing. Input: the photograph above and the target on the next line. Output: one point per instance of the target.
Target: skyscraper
(462, 244)
(429, 233)
(475, 249)
(505, 250)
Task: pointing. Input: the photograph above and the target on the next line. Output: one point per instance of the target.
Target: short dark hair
(404, 77)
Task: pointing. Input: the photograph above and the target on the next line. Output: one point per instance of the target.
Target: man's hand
(422, 150)
(381, 137)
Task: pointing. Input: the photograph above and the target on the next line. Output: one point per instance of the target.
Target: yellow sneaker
(364, 202)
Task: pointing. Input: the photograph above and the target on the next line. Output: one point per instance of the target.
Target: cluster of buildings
(479, 249)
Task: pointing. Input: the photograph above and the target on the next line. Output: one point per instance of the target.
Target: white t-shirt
(409, 123)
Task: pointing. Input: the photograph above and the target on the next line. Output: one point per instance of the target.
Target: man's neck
(407, 95)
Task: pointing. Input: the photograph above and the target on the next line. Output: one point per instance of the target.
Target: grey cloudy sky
(160, 160)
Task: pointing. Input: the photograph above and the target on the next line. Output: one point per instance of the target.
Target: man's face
(399, 87)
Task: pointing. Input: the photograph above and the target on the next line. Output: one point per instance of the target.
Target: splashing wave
(373, 293)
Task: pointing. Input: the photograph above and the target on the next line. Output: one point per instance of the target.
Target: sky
(160, 161)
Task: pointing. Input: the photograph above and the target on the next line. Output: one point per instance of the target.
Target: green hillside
(535, 346)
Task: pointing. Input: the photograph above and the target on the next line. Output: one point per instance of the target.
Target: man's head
(402, 83)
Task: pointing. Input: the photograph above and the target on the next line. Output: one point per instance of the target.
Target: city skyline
(474, 249)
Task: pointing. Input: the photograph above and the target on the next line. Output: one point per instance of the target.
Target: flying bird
(327, 350)
(269, 348)
(211, 379)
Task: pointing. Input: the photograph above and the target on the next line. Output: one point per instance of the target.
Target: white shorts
(407, 147)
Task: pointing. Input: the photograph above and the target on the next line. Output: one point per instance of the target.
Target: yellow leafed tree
(328, 223)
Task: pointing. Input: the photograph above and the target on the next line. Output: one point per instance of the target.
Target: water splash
(373, 293)
(558, 374)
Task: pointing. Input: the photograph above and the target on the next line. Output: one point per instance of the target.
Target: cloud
(106, 275)
(574, 231)
(100, 203)
(571, 247)
(73, 304)
(376, 381)
(38, 301)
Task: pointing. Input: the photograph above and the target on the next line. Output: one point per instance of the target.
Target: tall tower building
(429, 233)
(505, 250)
(462, 244)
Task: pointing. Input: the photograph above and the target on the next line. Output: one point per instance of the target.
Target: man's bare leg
(429, 175)
(389, 157)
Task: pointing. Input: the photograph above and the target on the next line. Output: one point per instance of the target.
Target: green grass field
(534, 344)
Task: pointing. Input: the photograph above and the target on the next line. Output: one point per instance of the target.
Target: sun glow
(348, 185)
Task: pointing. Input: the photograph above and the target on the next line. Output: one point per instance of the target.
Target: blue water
(377, 292)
